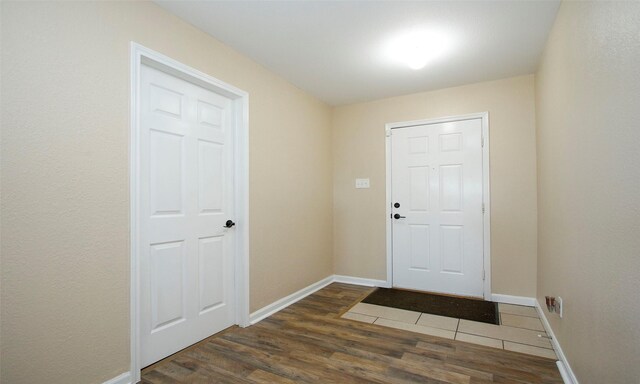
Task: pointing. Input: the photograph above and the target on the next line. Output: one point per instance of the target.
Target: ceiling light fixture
(416, 48)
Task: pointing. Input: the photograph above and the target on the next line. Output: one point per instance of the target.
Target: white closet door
(186, 191)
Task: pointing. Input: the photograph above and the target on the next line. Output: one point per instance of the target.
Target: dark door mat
(469, 309)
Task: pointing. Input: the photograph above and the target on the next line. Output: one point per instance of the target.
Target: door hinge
(482, 141)
(483, 275)
(483, 208)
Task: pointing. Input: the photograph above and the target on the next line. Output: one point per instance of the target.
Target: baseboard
(360, 281)
(279, 305)
(276, 306)
(563, 364)
(517, 300)
(566, 374)
(124, 378)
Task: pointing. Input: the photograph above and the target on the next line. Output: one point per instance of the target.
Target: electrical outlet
(559, 306)
(551, 303)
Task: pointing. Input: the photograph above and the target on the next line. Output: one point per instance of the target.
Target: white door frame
(486, 200)
(240, 124)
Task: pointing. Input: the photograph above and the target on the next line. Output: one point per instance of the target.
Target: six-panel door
(186, 192)
(437, 181)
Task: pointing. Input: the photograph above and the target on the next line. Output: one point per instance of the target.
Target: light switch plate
(362, 183)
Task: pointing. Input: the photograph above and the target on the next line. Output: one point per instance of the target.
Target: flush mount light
(417, 47)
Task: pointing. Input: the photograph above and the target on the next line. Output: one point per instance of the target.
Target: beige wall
(588, 95)
(65, 197)
(359, 151)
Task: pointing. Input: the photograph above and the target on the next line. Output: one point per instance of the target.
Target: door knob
(229, 224)
(397, 216)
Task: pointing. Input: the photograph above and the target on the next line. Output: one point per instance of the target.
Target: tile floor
(520, 329)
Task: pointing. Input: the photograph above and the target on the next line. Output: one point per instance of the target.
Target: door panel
(451, 187)
(437, 180)
(186, 195)
(419, 237)
(210, 177)
(166, 174)
(167, 283)
(451, 248)
(419, 184)
(211, 267)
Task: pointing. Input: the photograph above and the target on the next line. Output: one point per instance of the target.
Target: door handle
(397, 216)
(229, 224)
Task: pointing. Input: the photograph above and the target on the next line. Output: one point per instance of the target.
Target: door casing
(240, 126)
(486, 200)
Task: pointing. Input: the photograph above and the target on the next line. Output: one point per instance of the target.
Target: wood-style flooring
(308, 342)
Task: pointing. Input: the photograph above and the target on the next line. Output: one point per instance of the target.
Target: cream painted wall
(65, 196)
(588, 95)
(359, 151)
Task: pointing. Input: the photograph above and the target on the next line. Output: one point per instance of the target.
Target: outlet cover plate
(559, 306)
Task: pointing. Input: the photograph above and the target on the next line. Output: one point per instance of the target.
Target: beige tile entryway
(520, 328)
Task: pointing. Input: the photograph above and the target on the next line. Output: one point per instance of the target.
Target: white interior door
(186, 195)
(436, 193)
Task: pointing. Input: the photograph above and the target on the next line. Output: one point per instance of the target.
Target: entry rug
(469, 309)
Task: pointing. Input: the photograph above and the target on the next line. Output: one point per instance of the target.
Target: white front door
(436, 197)
(186, 193)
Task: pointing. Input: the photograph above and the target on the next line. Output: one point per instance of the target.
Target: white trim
(486, 190)
(389, 222)
(360, 281)
(563, 364)
(124, 378)
(240, 102)
(281, 304)
(565, 374)
(517, 300)
(486, 200)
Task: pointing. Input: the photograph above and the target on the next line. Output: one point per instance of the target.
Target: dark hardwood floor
(308, 343)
